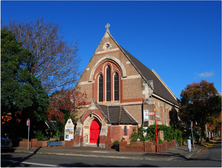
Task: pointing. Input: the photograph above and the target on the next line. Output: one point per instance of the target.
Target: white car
(6, 143)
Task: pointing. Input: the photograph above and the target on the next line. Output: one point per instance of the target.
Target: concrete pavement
(172, 154)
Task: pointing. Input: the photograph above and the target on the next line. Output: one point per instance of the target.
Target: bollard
(189, 145)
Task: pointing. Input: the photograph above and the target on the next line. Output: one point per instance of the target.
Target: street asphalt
(178, 153)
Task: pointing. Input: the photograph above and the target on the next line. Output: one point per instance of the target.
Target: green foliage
(138, 135)
(160, 141)
(21, 91)
(199, 101)
(134, 136)
(39, 136)
(168, 132)
(116, 143)
(178, 136)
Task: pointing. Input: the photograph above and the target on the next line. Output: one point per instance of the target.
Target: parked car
(6, 143)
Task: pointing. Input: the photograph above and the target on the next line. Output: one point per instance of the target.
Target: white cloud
(205, 74)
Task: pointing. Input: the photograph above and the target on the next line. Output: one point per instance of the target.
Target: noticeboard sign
(69, 130)
(145, 115)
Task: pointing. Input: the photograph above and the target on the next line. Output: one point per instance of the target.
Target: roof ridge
(164, 84)
(130, 115)
(97, 105)
(124, 51)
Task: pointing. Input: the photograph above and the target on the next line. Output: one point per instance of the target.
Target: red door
(94, 131)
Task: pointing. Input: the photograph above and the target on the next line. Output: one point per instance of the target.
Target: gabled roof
(113, 114)
(159, 88)
(117, 115)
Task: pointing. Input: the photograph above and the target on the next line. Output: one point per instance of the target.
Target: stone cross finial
(107, 26)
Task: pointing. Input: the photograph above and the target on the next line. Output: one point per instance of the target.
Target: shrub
(116, 143)
(160, 141)
(39, 135)
(139, 135)
(134, 136)
(123, 139)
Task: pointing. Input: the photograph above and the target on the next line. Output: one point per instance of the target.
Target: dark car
(6, 143)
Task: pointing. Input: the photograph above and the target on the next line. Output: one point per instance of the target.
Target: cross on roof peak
(107, 26)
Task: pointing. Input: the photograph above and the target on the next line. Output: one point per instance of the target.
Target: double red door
(94, 131)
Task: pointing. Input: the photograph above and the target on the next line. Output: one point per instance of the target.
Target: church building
(121, 96)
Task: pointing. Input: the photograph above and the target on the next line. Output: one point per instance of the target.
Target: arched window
(116, 86)
(100, 88)
(108, 83)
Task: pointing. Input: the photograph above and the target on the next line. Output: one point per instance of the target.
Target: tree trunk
(202, 136)
(206, 131)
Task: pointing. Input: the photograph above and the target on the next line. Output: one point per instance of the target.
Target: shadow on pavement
(101, 165)
(17, 160)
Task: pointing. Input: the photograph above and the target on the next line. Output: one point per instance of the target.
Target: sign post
(28, 124)
(156, 130)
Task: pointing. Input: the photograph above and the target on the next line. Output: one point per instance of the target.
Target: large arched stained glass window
(108, 83)
(116, 86)
(100, 88)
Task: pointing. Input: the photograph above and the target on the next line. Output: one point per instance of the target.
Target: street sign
(157, 117)
(27, 122)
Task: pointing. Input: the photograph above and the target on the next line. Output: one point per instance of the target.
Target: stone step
(91, 145)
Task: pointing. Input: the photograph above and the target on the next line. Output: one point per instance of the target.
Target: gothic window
(125, 131)
(108, 83)
(116, 86)
(100, 88)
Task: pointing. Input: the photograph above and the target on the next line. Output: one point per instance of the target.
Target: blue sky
(180, 40)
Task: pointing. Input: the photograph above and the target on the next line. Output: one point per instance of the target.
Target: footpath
(173, 154)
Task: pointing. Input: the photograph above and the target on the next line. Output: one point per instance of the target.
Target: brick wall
(24, 144)
(33, 143)
(42, 143)
(147, 147)
(68, 143)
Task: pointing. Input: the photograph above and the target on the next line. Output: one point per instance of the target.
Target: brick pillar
(34, 142)
(122, 146)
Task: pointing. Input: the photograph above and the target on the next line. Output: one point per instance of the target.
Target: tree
(20, 90)
(199, 101)
(63, 106)
(57, 63)
(214, 123)
(64, 102)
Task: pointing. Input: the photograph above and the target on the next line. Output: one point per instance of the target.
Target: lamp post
(156, 129)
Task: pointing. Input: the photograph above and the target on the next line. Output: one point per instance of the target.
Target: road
(211, 157)
(210, 154)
